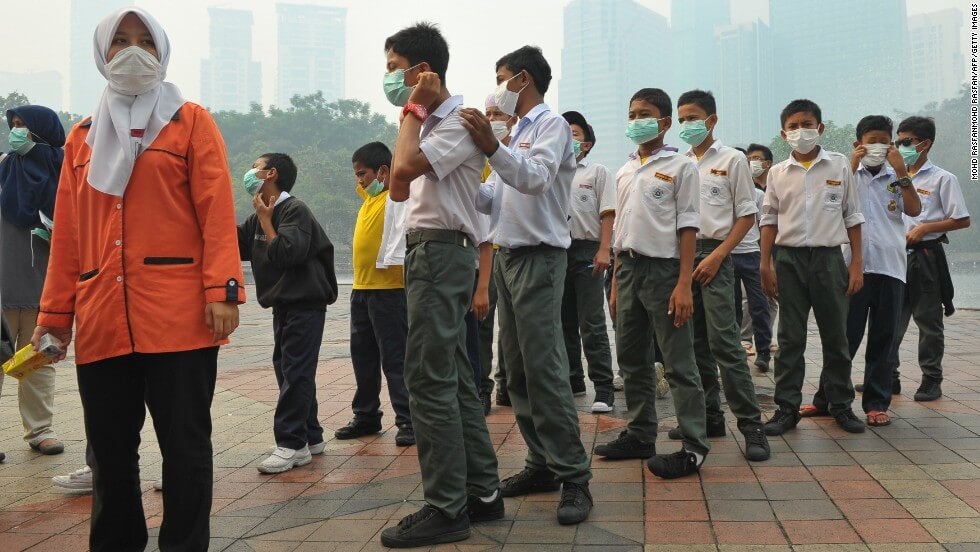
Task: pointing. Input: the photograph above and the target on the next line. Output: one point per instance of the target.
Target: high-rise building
(695, 57)
(847, 56)
(935, 63)
(85, 83)
(230, 80)
(311, 51)
(41, 88)
(612, 48)
(744, 93)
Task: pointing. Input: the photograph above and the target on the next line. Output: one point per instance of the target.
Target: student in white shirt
(929, 287)
(811, 208)
(654, 240)
(527, 197)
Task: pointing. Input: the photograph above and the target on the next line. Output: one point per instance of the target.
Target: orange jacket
(136, 272)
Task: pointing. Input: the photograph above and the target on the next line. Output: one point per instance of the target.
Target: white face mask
(803, 140)
(499, 128)
(134, 71)
(876, 155)
(757, 168)
(505, 99)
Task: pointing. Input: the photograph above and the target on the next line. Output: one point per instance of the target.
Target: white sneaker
(618, 383)
(662, 388)
(158, 485)
(78, 480)
(317, 448)
(284, 459)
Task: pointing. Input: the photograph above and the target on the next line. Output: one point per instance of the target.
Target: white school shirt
(941, 197)
(593, 195)
(527, 195)
(444, 199)
(392, 250)
(726, 190)
(883, 233)
(653, 201)
(750, 243)
(812, 208)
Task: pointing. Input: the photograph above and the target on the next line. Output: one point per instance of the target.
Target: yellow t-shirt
(807, 164)
(367, 241)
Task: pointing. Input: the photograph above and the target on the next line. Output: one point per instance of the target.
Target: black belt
(928, 244)
(634, 254)
(583, 243)
(454, 237)
(524, 250)
(701, 244)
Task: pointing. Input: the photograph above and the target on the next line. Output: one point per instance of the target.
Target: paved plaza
(911, 486)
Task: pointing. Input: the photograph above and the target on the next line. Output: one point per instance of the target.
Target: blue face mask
(394, 86)
(909, 153)
(20, 140)
(576, 148)
(693, 132)
(252, 182)
(374, 188)
(641, 131)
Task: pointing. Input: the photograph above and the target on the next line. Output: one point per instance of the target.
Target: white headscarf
(117, 114)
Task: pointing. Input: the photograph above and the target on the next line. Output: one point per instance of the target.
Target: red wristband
(417, 110)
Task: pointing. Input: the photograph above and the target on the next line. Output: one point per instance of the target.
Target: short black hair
(924, 128)
(530, 59)
(655, 97)
(373, 156)
(285, 168)
(800, 106)
(766, 152)
(743, 150)
(421, 42)
(576, 118)
(872, 123)
(700, 98)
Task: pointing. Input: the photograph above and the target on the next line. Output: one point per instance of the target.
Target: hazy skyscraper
(935, 70)
(744, 93)
(86, 84)
(311, 51)
(230, 80)
(695, 58)
(612, 48)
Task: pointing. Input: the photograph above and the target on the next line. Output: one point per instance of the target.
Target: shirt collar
(283, 196)
(534, 113)
(886, 170)
(664, 151)
(447, 107)
(715, 146)
(583, 163)
(821, 156)
(925, 167)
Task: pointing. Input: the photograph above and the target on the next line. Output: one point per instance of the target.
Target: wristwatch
(417, 110)
(904, 182)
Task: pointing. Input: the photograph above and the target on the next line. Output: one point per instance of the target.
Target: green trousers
(455, 453)
(717, 346)
(812, 277)
(643, 288)
(529, 290)
(923, 304)
(583, 317)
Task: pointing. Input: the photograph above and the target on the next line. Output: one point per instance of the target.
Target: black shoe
(575, 503)
(672, 466)
(405, 436)
(762, 361)
(604, 400)
(756, 446)
(715, 429)
(626, 446)
(356, 428)
(485, 401)
(859, 388)
(578, 388)
(781, 422)
(929, 390)
(2, 457)
(849, 422)
(426, 527)
(479, 510)
(503, 399)
(529, 481)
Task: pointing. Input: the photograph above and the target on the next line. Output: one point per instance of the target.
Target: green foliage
(835, 138)
(15, 99)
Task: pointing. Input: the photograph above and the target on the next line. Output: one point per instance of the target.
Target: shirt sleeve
(605, 189)
(687, 188)
(852, 203)
(770, 205)
(57, 309)
(743, 192)
(484, 199)
(392, 251)
(447, 146)
(535, 173)
(951, 196)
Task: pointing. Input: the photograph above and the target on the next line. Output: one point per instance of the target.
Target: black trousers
(378, 330)
(297, 334)
(177, 389)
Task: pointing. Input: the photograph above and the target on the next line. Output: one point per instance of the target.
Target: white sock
(491, 498)
(698, 457)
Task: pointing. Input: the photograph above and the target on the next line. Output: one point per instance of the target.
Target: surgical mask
(803, 140)
(875, 156)
(499, 128)
(374, 188)
(394, 86)
(505, 99)
(757, 168)
(576, 148)
(641, 131)
(134, 71)
(20, 140)
(693, 132)
(252, 182)
(909, 153)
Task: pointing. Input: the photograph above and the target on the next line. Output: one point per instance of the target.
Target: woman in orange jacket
(144, 261)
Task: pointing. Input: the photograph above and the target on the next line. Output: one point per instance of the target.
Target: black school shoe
(578, 388)
(781, 422)
(357, 428)
(756, 445)
(426, 527)
(929, 390)
(485, 401)
(405, 436)
(478, 510)
(672, 466)
(529, 481)
(849, 422)
(625, 447)
(503, 399)
(762, 361)
(575, 503)
(715, 429)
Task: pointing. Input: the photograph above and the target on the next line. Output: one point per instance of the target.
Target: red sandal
(810, 410)
(878, 418)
